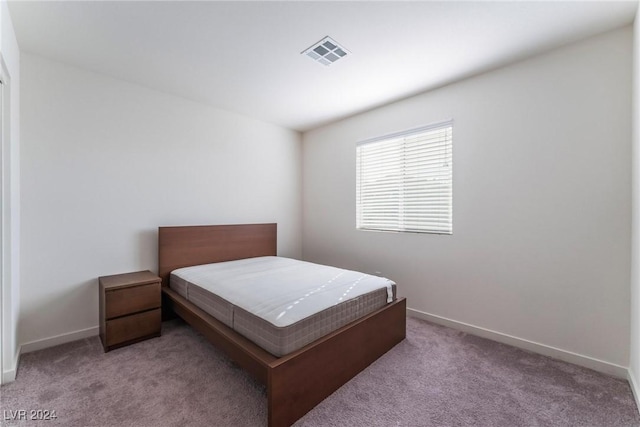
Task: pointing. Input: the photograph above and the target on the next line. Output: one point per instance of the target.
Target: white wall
(541, 244)
(104, 163)
(10, 61)
(634, 359)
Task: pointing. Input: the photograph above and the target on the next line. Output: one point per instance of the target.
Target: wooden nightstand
(129, 308)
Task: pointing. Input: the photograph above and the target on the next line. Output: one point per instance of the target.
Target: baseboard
(59, 339)
(556, 353)
(634, 387)
(9, 375)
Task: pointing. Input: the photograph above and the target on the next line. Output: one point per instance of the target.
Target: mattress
(279, 303)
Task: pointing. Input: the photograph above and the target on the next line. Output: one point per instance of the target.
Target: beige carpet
(437, 377)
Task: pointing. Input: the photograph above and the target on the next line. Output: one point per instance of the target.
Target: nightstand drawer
(120, 302)
(134, 327)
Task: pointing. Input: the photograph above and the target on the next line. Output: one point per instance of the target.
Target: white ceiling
(245, 56)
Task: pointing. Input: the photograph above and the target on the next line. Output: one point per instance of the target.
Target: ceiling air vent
(327, 51)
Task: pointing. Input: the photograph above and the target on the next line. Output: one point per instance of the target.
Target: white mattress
(280, 290)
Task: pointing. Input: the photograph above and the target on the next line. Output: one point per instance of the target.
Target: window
(404, 181)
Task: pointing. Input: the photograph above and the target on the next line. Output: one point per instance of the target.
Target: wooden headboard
(204, 244)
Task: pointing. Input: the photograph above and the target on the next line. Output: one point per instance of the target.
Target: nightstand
(129, 308)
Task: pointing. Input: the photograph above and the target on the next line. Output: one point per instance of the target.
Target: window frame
(399, 164)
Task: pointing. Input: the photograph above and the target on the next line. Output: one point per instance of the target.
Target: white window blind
(404, 181)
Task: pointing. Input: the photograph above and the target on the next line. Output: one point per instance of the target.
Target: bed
(297, 381)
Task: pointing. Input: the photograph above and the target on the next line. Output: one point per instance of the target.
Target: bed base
(298, 381)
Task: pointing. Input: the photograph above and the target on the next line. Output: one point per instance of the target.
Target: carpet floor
(436, 377)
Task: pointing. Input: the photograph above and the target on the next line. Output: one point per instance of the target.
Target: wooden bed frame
(297, 381)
